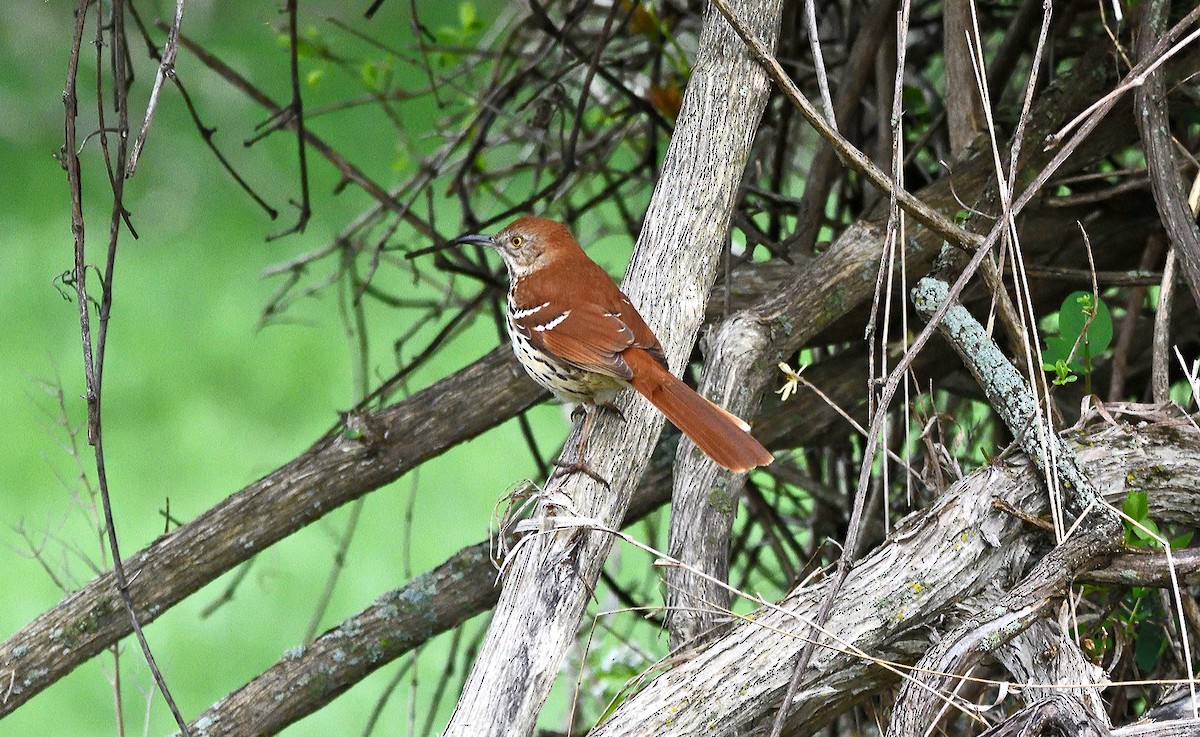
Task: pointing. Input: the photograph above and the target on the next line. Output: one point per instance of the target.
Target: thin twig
(166, 68)
(814, 44)
(295, 118)
(93, 353)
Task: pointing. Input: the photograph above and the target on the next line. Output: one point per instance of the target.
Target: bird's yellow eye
(516, 241)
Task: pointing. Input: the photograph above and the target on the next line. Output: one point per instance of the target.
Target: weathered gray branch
(336, 470)
(1096, 537)
(1013, 400)
(1173, 728)
(1155, 128)
(705, 496)
(310, 677)
(781, 322)
(1057, 714)
(963, 647)
(1044, 655)
(965, 118)
(948, 553)
(1148, 568)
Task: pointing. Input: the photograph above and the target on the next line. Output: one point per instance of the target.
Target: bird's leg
(580, 466)
(589, 419)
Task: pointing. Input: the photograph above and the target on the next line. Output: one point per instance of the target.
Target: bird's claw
(612, 407)
(581, 410)
(565, 469)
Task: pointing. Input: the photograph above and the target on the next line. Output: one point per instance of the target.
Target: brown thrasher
(579, 336)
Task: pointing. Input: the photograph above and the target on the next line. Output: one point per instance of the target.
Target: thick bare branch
(1056, 714)
(673, 269)
(705, 497)
(1045, 655)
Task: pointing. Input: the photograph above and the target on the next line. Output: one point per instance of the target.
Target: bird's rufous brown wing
(588, 333)
(583, 335)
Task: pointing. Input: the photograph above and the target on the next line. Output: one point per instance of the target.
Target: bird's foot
(565, 469)
(581, 410)
(611, 407)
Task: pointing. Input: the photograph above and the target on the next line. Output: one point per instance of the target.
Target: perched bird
(579, 336)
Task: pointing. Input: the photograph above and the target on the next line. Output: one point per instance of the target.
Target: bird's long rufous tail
(724, 437)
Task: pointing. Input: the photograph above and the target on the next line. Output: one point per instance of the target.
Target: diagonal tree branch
(336, 470)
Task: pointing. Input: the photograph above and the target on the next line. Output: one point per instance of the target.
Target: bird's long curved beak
(475, 238)
(478, 239)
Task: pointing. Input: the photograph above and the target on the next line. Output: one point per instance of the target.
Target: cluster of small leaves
(1142, 531)
(1130, 640)
(1085, 331)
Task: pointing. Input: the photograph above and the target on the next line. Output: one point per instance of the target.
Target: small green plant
(1085, 330)
(1146, 534)
(1137, 507)
(1136, 616)
(1062, 372)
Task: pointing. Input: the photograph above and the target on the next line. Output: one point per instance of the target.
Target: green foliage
(1062, 373)
(1149, 644)
(403, 158)
(1085, 330)
(1138, 706)
(468, 17)
(1137, 616)
(613, 675)
(309, 45)
(459, 35)
(915, 103)
(1137, 507)
(376, 74)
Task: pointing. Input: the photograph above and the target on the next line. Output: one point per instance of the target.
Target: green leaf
(374, 75)
(1182, 541)
(468, 17)
(1149, 534)
(1082, 314)
(1136, 505)
(1137, 508)
(309, 45)
(403, 158)
(1062, 372)
(1148, 645)
(1056, 352)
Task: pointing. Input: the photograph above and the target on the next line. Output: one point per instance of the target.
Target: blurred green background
(199, 398)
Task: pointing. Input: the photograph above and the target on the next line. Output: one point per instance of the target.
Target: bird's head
(527, 244)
